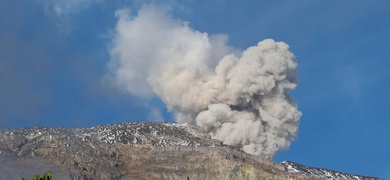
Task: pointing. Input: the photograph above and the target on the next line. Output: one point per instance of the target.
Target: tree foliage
(46, 176)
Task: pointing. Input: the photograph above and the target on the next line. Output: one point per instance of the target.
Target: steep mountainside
(131, 151)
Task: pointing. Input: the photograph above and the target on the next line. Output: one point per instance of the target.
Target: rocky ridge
(131, 151)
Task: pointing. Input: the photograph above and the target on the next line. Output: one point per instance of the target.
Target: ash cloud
(239, 97)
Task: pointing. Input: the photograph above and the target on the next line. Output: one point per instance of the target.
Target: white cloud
(63, 12)
(63, 8)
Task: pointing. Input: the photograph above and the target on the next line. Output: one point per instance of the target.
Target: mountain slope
(323, 173)
(131, 151)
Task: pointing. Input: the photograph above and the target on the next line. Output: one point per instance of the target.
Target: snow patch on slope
(322, 173)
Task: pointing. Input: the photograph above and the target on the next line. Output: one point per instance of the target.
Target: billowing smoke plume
(238, 97)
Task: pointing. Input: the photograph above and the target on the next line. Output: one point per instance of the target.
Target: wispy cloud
(64, 8)
(155, 115)
(62, 12)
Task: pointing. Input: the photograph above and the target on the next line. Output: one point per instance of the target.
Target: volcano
(140, 150)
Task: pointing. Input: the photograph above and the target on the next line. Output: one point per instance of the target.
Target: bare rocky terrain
(132, 151)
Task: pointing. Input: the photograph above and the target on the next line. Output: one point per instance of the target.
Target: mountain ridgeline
(139, 151)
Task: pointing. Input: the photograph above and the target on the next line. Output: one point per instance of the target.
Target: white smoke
(240, 98)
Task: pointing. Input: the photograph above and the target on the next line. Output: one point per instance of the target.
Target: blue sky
(54, 56)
